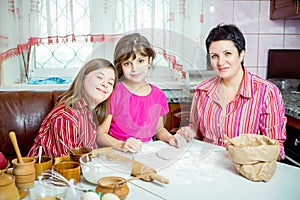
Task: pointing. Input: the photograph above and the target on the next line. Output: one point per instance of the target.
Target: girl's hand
(172, 140)
(187, 133)
(178, 141)
(132, 145)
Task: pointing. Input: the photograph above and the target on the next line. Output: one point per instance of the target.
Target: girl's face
(225, 59)
(98, 85)
(136, 70)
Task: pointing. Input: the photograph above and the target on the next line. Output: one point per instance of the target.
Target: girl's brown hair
(128, 46)
(76, 90)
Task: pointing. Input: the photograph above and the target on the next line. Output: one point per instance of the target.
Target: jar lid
(6, 179)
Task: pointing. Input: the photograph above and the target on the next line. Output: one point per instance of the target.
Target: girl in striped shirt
(235, 101)
(79, 111)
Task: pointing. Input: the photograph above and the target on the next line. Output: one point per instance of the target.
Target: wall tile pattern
(261, 33)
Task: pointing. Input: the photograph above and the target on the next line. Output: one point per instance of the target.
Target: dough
(170, 153)
(181, 142)
(178, 141)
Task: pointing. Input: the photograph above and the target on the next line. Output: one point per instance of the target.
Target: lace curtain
(174, 27)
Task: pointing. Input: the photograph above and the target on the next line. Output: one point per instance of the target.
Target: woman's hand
(187, 133)
(132, 145)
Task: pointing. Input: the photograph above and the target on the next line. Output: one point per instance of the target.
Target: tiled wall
(261, 33)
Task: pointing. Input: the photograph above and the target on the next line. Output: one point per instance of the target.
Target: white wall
(251, 16)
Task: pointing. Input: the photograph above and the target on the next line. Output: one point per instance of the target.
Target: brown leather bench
(23, 113)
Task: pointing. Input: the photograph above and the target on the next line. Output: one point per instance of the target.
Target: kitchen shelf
(284, 9)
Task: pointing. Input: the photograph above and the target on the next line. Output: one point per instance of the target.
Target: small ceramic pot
(8, 189)
(68, 169)
(78, 152)
(110, 184)
(24, 173)
(46, 163)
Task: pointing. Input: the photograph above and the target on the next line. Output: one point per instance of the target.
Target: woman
(79, 111)
(234, 102)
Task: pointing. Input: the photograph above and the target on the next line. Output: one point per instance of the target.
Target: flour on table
(170, 153)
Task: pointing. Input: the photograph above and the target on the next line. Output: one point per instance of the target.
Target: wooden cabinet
(178, 116)
(292, 143)
(285, 9)
(293, 122)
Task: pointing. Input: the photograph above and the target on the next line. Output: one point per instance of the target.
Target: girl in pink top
(234, 102)
(136, 107)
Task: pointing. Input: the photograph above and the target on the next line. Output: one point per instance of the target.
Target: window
(66, 38)
(58, 54)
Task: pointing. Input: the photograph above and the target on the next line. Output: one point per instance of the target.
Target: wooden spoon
(231, 141)
(134, 178)
(152, 175)
(67, 147)
(13, 140)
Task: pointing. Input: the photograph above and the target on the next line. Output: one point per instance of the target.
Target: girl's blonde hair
(76, 91)
(128, 46)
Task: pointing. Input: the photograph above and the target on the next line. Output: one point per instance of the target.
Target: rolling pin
(139, 169)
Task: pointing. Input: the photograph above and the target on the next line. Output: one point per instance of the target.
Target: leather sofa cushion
(23, 113)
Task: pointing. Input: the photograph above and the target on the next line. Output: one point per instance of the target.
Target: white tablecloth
(204, 171)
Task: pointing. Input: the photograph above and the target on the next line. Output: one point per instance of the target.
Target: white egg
(90, 196)
(110, 196)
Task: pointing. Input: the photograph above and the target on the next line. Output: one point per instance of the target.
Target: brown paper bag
(254, 156)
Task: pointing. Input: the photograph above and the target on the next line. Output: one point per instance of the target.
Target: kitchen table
(135, 192)
(203, 171)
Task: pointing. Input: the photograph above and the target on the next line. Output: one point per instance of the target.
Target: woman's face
(225, 58)
(98, 85)
(136, 70)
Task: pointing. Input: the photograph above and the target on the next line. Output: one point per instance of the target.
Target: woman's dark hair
(128, 46)
(226, 32)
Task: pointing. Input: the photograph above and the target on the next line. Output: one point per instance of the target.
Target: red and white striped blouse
(258, 108)
(75, 127)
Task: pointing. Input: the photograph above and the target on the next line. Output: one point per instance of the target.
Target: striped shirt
(258, 108)
(75, 127)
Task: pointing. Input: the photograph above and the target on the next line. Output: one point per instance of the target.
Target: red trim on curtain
(35, 41)
(14, 51)
(172, 59)
(93, 38)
